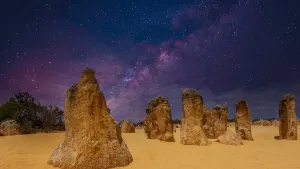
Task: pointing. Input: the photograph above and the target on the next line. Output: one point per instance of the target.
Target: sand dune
(32, 152)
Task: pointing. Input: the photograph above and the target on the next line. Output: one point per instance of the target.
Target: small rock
(230, 138)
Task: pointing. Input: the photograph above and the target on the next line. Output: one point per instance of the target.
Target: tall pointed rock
(92, 138)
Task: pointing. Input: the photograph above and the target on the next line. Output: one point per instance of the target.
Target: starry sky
(227, 50)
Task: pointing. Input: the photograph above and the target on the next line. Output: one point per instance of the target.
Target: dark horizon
(238, 49)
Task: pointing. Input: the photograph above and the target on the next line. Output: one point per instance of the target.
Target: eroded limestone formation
(230, 138)
(192, 119)
(243, 121)
(158, 122)
(287, 118)
(92, 139)
(220, 116)
(208, 122)
(127, 127)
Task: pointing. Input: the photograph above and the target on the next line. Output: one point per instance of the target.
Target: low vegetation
(31, 115)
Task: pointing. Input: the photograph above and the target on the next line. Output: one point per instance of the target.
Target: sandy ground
(32, 152)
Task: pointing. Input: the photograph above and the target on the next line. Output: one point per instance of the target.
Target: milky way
(238, 49)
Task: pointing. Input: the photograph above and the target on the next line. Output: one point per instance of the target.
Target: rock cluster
(243, 121)
(288, 118)
(158, 121)
(127, 127)
(192, 119)
(92, 138)
(262, 122)
(215, 122)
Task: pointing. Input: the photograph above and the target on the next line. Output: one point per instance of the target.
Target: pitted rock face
(230, 138)
(287, 118)
(127, 127)
(92, 137)
(220, 114)
(208, 122)
(243, 121)
(158, 122)
(192, 119)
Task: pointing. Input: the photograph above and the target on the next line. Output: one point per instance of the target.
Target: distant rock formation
(192, 119)
(275, 123)
(127, 127)
(230, 124)
(139, 127)
(92, 138)
(158, 122)
(208, 122)
(243, 121)
(230, 138)
(220, 114)
(262, 122)
(9, 128)
(288, 118)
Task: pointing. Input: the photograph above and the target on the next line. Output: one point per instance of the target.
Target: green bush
(31, 115)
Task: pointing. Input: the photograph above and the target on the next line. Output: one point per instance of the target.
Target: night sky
(226, 49)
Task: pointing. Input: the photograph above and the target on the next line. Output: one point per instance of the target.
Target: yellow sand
(32, 152)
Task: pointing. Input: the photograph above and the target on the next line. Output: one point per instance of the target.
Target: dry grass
(32, 152)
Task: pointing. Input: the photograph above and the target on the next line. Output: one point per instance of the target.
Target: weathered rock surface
(192, 119)
(208, 122)
(230, 138)
(220, 114)
(92, 139)
(243, 120)
(9, 128)
(127, 127)
(158, 122)
(288, 118)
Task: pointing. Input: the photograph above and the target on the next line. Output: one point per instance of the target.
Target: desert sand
(32, 152)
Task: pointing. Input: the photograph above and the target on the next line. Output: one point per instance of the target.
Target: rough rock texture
(92, 139)
(243, 121)
(208, 122)
(288, 118)
(230, 138)
(192, 119)
(220, 114)
(9, 128)
(158, 122)
(127, 127)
